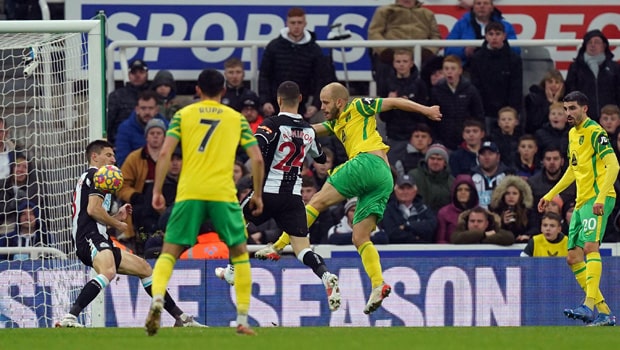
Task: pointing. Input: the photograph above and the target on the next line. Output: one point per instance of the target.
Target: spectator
(326, 219)
(402, 20)
(497, 73)
(432, 72)
(21, 186)
(419, 142)
(131, 132)
(320, 172)
(464, 197)
(249, 109)
(512, 201)
(595, 73)
(527, 161)
(236, 91)
(551, 242)
(264, 233)
(139, 174)
(122, 101)
(294, 55)
(407, 219)
(549, 176)
(540, 98)
(507, 135)
(433, 179)
(472, 26)
(610, 119)
(478, 225)
(6, 150)
(166, 88)
(489, 173)
(555, 132)
(458, 100)
(466, 156)
(29, 232)
(239, 171)
(342, 232)
(403, 82)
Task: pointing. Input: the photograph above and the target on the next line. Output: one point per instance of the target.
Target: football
(108, 179)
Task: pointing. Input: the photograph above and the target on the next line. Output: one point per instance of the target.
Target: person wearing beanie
(433, 177)
(166, 88)
(131, 132)
(595, 73)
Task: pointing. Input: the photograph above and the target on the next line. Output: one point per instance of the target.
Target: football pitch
(314, 338)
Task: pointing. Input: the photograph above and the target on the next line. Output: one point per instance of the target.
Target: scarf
(594, 62)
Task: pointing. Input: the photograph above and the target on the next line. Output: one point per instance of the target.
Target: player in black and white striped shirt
(94, 246)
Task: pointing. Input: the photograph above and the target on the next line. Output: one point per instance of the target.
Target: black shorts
(288, 210)
(91, 243)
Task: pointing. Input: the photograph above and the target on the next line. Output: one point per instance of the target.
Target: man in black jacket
(294, 55)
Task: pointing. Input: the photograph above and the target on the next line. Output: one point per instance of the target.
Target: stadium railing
(254, 45)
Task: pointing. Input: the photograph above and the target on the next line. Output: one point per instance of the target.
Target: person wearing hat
(595, 73)
(489, 173)
(433, 177)
(131, 132)
(138, 173)
(166, 88)
(122, 101)
(249, 109)
(406, 218)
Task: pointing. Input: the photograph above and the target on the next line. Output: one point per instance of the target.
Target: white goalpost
(52, 102)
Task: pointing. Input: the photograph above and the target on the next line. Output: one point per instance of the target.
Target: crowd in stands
(474, 177)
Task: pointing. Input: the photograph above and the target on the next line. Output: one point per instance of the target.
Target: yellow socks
(311, 215)
(243, 282)
(579, 270)
(161, 274)
(371, 262)
(594, 268)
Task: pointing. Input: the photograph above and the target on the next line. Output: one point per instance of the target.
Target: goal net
(51, 107)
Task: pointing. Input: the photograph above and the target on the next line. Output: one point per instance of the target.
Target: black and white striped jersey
(82, 223)
(285, 140)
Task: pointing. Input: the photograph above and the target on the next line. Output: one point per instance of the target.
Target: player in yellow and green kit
(594, 167)
(366, 175)
(209, 133)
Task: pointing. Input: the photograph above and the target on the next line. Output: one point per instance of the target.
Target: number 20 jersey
(285, 141)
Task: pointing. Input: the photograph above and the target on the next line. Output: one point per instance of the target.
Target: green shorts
(587, 227)
(187, 216)
(367, 177)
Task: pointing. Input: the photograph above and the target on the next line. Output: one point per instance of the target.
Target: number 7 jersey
(210, 133)
(285, 140)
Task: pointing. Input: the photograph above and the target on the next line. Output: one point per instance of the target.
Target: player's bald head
(336, 91)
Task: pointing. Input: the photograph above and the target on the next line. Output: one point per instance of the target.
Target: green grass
(314, 338)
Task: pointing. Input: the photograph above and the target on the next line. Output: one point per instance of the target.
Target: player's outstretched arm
(320, 130)
(161, 169)
(431, 112)
(567, 179)
(96, 211)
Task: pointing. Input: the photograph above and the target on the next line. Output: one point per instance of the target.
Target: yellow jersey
(210, 133)
(544, 248)
(356, 126)
(588, 144)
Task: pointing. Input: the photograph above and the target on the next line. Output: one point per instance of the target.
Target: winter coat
(536, 109)
(463, 103)
(548, 136)
(235, 96)
(467, 28)
(395, 22)
(507, 144)
(447, 217)
(463, 160)
(419, 227)
(168, 105)
(301, 62)
(602, 89)
(130, 136)
(462, 235)
(485, 185)
(525, 220)
(121, 104)
(400, 124)
(498, 76)
(433, 187)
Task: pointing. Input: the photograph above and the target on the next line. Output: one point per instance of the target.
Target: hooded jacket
(447, 217)
(525, 215)
(433, 187)
(602, 89)
(462, 235)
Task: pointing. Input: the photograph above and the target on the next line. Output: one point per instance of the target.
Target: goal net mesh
(44, 94)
